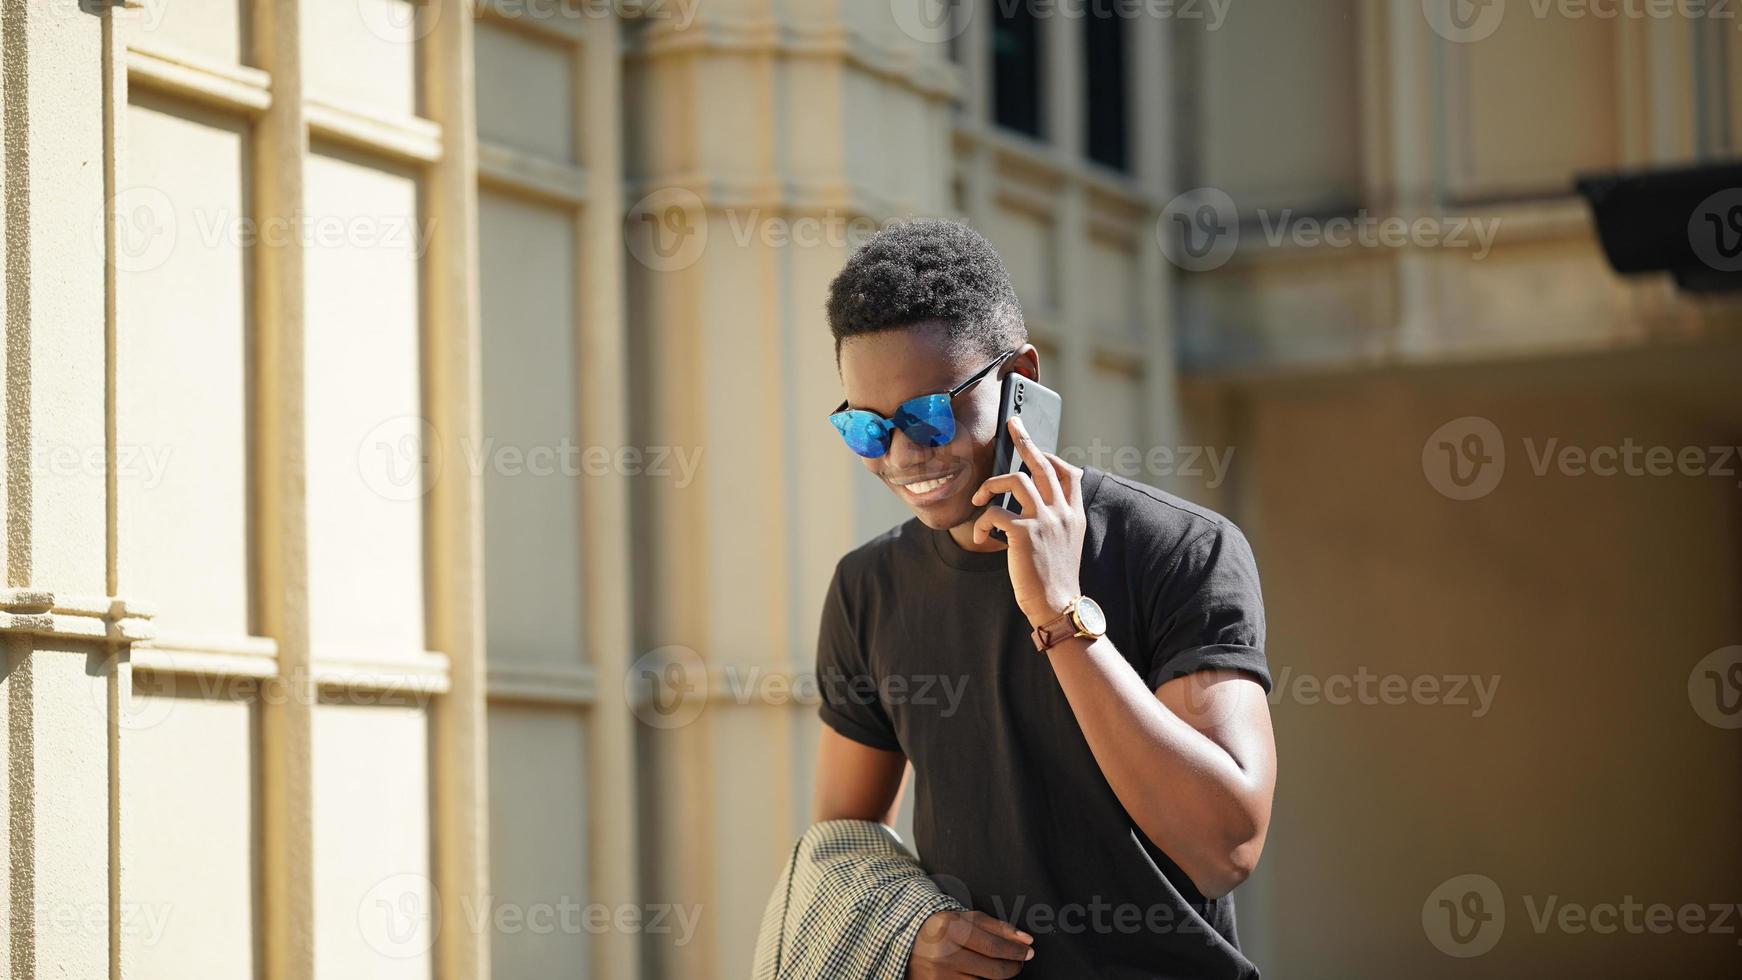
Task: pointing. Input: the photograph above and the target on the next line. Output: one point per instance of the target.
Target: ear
(1026, 362)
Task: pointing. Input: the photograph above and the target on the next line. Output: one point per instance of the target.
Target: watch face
(1090, 618)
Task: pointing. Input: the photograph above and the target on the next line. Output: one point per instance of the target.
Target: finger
(1037, 465)
(994, 943)
(996, 517)
(1018, 483)
(973, 964)
(1070, 476)
(984, 921)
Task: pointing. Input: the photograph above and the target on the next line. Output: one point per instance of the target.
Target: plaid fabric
(848, 906)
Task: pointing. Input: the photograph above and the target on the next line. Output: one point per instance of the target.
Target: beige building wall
(418, 501)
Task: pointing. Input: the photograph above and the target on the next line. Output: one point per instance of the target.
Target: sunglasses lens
(927, 420)
(863, 432)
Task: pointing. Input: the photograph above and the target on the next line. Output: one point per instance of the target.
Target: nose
(905, 454)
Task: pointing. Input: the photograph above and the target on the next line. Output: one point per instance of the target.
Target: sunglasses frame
(973, 379)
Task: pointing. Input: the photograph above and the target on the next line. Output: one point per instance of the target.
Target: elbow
(1228, 870)
(1221, 866)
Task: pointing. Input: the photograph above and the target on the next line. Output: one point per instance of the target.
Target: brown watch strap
(1049, 635)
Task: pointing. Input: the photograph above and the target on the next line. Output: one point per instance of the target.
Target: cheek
(974, 442)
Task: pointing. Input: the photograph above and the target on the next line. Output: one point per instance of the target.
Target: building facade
(419, 506)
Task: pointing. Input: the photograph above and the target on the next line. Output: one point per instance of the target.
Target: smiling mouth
(925, 488)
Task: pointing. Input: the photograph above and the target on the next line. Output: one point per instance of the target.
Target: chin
(945, 514)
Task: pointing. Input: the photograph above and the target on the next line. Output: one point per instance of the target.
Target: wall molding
(42, 612)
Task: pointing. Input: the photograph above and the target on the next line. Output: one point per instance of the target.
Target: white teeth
(925, 486)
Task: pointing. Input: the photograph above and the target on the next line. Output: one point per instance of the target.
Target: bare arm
(1194, 763)
(855, 781)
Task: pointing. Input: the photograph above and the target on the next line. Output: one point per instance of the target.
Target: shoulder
(1146, 519)
(875, 558)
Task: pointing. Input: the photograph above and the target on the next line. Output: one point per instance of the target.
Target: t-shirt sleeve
(1209, 613)
(849, 693)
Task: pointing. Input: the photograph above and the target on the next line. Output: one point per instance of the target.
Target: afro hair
(928, 270)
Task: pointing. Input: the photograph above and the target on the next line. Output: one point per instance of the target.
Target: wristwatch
(1082, 617)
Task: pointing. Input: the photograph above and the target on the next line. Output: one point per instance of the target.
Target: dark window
(1104, 91)
(1016, 84)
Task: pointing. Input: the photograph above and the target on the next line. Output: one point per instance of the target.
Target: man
(1096, 800)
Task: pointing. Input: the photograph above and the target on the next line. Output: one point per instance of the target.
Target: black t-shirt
(924, 651)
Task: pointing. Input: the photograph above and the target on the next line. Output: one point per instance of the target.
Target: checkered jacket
(848, 906)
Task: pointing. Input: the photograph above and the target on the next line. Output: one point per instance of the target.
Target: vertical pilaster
(603, 371)
(1062, 126)
(286, 816)
(454, 406)
(57, 690)
(1150, 55)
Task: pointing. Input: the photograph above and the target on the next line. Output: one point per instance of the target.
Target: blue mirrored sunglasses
(928, 420)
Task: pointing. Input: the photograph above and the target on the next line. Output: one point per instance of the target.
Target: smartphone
(1039, 407)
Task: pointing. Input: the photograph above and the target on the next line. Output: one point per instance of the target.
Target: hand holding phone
(1040, 408)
